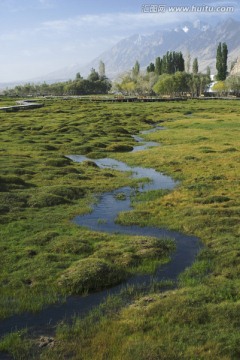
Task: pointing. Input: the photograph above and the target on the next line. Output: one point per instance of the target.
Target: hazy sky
(40, 36)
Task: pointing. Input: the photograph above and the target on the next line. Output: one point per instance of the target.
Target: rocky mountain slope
(199, 39)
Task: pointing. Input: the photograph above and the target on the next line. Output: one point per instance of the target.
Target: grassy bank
(42, 191)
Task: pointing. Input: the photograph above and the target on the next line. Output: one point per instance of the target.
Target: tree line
(170, 63)
(96, 83)
(167, 75)
(172, 75)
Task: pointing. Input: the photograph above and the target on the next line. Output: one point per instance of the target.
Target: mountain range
(197, 38)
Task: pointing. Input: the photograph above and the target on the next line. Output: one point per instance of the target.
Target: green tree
(195, 66)
(193, 83)
(165, 85)
(94, 75)
(158, 66)
(197, 84)
(129, 87)
(180, 82)
(126, 84)
(151, 68)
(224, 59)
(179, 64)
(172, 84)
(172, 62)
(221, 61)
(220, 87)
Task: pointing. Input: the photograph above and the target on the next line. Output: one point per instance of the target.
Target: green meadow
(46, 257)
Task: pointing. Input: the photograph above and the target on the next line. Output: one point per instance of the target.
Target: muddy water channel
(102, 218)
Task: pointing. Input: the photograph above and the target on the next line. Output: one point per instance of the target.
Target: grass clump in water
(90, 274)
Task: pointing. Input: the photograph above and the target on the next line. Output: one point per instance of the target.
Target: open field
(42, 190)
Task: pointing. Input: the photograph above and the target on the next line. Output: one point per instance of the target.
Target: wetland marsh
(42, 191)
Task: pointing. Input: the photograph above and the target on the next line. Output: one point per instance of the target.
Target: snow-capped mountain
(199, 39)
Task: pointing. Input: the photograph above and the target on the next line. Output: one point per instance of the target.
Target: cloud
(125, 23)
(114, 22)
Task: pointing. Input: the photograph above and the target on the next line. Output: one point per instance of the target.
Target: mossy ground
(200, 147)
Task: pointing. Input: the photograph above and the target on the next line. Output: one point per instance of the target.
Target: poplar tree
(158, 66)
(224, 59)
(195, 66)
(221, 61)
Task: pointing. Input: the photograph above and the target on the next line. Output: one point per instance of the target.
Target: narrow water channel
(107, 209)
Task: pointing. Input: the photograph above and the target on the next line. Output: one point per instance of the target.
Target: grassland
(41, 191)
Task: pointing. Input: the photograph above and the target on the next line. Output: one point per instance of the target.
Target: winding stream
(23, 104)
(107, 209)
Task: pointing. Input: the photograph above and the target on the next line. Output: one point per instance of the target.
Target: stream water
(102, 218)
